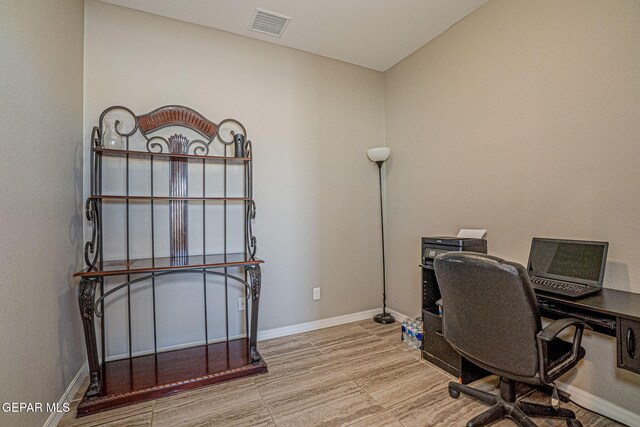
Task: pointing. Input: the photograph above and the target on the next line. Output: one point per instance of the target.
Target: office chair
(490, 316)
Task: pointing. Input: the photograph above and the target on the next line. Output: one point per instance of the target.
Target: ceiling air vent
(271, 23)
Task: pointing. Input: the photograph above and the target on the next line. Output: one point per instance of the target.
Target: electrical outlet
(316, 293)
(242, 304)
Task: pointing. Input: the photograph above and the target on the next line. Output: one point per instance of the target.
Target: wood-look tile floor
(358, 374)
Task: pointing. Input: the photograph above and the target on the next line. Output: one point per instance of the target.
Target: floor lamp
(379, 156)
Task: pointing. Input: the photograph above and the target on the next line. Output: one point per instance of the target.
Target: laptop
(571, 268)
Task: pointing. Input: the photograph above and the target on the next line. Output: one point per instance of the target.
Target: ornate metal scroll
(251, 240)
(91, 247)
(250, 214)
(127, 112)
(86, 298)
(255, 277)
(175, 115)
(233, 134)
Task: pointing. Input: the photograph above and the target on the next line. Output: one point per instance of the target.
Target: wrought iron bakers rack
(137, 378)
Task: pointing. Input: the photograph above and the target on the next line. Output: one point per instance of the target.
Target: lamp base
(384, 318)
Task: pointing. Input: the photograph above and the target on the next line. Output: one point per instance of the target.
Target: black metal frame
(184, 150)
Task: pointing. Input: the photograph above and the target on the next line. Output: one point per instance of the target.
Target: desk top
(610, 301)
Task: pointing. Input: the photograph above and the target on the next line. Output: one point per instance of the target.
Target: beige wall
(516, 85)
(524, 119)
(310, 120)
(40, 216)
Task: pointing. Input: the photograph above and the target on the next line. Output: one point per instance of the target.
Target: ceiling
(375, 34)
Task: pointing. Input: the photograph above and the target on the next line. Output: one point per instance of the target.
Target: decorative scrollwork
(236, 123)
(90, 248)
(251, 240)
(86, 295)
(127, 123)
(155, 144)
(94, 384)
(200, 147)
(118, 123)
(255, 277)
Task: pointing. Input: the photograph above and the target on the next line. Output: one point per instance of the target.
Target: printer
(434, 246)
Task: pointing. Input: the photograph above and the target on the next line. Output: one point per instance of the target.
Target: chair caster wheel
(454, 393)
(574, 423)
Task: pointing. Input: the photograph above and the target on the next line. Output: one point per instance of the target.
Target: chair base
(506, 405)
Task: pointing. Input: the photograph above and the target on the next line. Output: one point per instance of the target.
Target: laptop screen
(569, 260)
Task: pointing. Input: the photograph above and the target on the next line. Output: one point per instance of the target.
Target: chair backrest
(490, 311)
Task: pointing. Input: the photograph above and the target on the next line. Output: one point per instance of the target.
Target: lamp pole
(379, 156)
(383, 317)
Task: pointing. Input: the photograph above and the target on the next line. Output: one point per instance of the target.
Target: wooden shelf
(108, 152)
(142, 378)
(150, 265)
(168, 198)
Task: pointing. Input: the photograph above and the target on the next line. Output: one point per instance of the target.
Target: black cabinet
(435, 348)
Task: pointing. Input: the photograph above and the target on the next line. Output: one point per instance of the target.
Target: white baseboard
(67, 397)
(399, 316)
(316, 324)
(600, 406)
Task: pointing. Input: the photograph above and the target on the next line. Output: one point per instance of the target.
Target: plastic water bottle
(414, 337)
(410, 335)
(404, 331)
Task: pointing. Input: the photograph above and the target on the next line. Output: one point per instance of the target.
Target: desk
(611, 312)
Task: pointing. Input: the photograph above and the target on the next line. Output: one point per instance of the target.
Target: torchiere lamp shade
(379, 154)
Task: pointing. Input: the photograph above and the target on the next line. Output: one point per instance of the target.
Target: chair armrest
(553, 329)
(548, 334)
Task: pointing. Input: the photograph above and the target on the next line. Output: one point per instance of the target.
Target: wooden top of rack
(117, 197)
(146, 154)
(150, 265)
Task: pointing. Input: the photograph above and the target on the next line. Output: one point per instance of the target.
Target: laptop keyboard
(560, 287)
